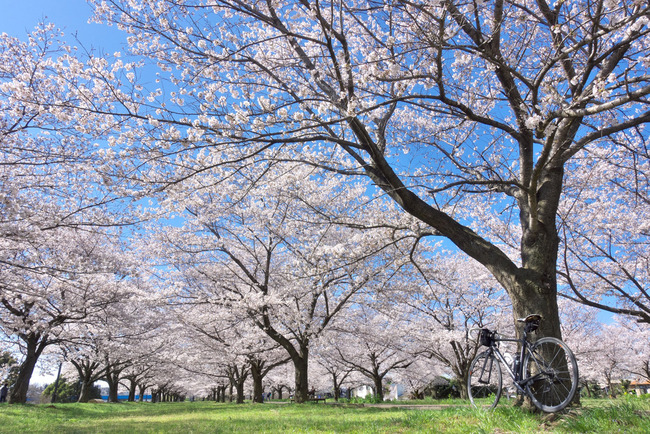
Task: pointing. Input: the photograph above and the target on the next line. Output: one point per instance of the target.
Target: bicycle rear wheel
(484, 381)
(552, 374)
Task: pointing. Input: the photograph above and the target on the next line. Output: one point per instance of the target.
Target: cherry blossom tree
(114, 343)
(419, 376)
(196, 357)
(61, 257)
(604, 216)
(261, 364)
(612, 359)
(606, 353)
(582, 332)
(330, 368)
(136, 347)
(442, 297)
(135, 377)
(246, 351)
(83, 354)
(489, 104)
(282, 256)
(634, 347)
(373, 344)
(64, 280)
(280, 380)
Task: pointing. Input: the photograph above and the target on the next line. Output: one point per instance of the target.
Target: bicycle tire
(484, 381)
(553, 365)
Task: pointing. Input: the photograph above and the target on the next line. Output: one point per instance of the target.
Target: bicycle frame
(517, 377)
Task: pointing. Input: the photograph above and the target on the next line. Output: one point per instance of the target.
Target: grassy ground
(629, 415)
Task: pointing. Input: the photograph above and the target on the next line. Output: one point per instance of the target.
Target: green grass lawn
(629, 415)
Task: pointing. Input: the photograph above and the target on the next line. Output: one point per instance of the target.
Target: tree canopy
(294, 159)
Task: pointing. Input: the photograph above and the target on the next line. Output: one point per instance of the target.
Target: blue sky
(19, 17)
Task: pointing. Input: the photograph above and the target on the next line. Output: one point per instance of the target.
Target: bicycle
(545, 370)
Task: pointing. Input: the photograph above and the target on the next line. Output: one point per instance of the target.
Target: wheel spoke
(553, 374)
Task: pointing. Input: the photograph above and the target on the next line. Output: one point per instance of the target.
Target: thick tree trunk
(237, 379)
(222, 389)
(533, 287)
(19, 390)
(132, 389)
(141, 389)
(463, 359)
(112, 391)
(88, 374)
(301, 365)
(379, 387)
(112, 377)
(86, 388)
(257, 372)
(464, 394)
(240, 392)
(336, 387)
(35, 344)
(529, 297)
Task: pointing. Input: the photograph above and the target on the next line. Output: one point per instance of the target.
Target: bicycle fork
(485, 366)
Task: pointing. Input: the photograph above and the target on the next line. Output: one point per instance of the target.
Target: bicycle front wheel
(552, 374)
(484, 381)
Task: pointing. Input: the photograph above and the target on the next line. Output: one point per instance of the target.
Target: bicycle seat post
(531, 323)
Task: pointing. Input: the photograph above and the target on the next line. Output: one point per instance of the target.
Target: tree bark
(279, 389)
(237, 379)
(88, 373)
(379, 387)
(222, 389)
(464, 394)
(240, 393)
(336, 386)
(301, 366)
(257, 372)
(112, 377)
(112, 391)
(141, 389)
(132, 388)
(533, 287)
(35, 344)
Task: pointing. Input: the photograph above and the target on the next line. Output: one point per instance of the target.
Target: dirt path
(404, 406)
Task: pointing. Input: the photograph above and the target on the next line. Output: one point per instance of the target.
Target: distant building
(362, 391)
(641, 387)
(396, 392)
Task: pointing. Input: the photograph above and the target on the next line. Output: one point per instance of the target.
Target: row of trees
(379, 351)
(259, 178)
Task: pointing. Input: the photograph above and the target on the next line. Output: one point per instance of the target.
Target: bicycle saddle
(531, 318)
